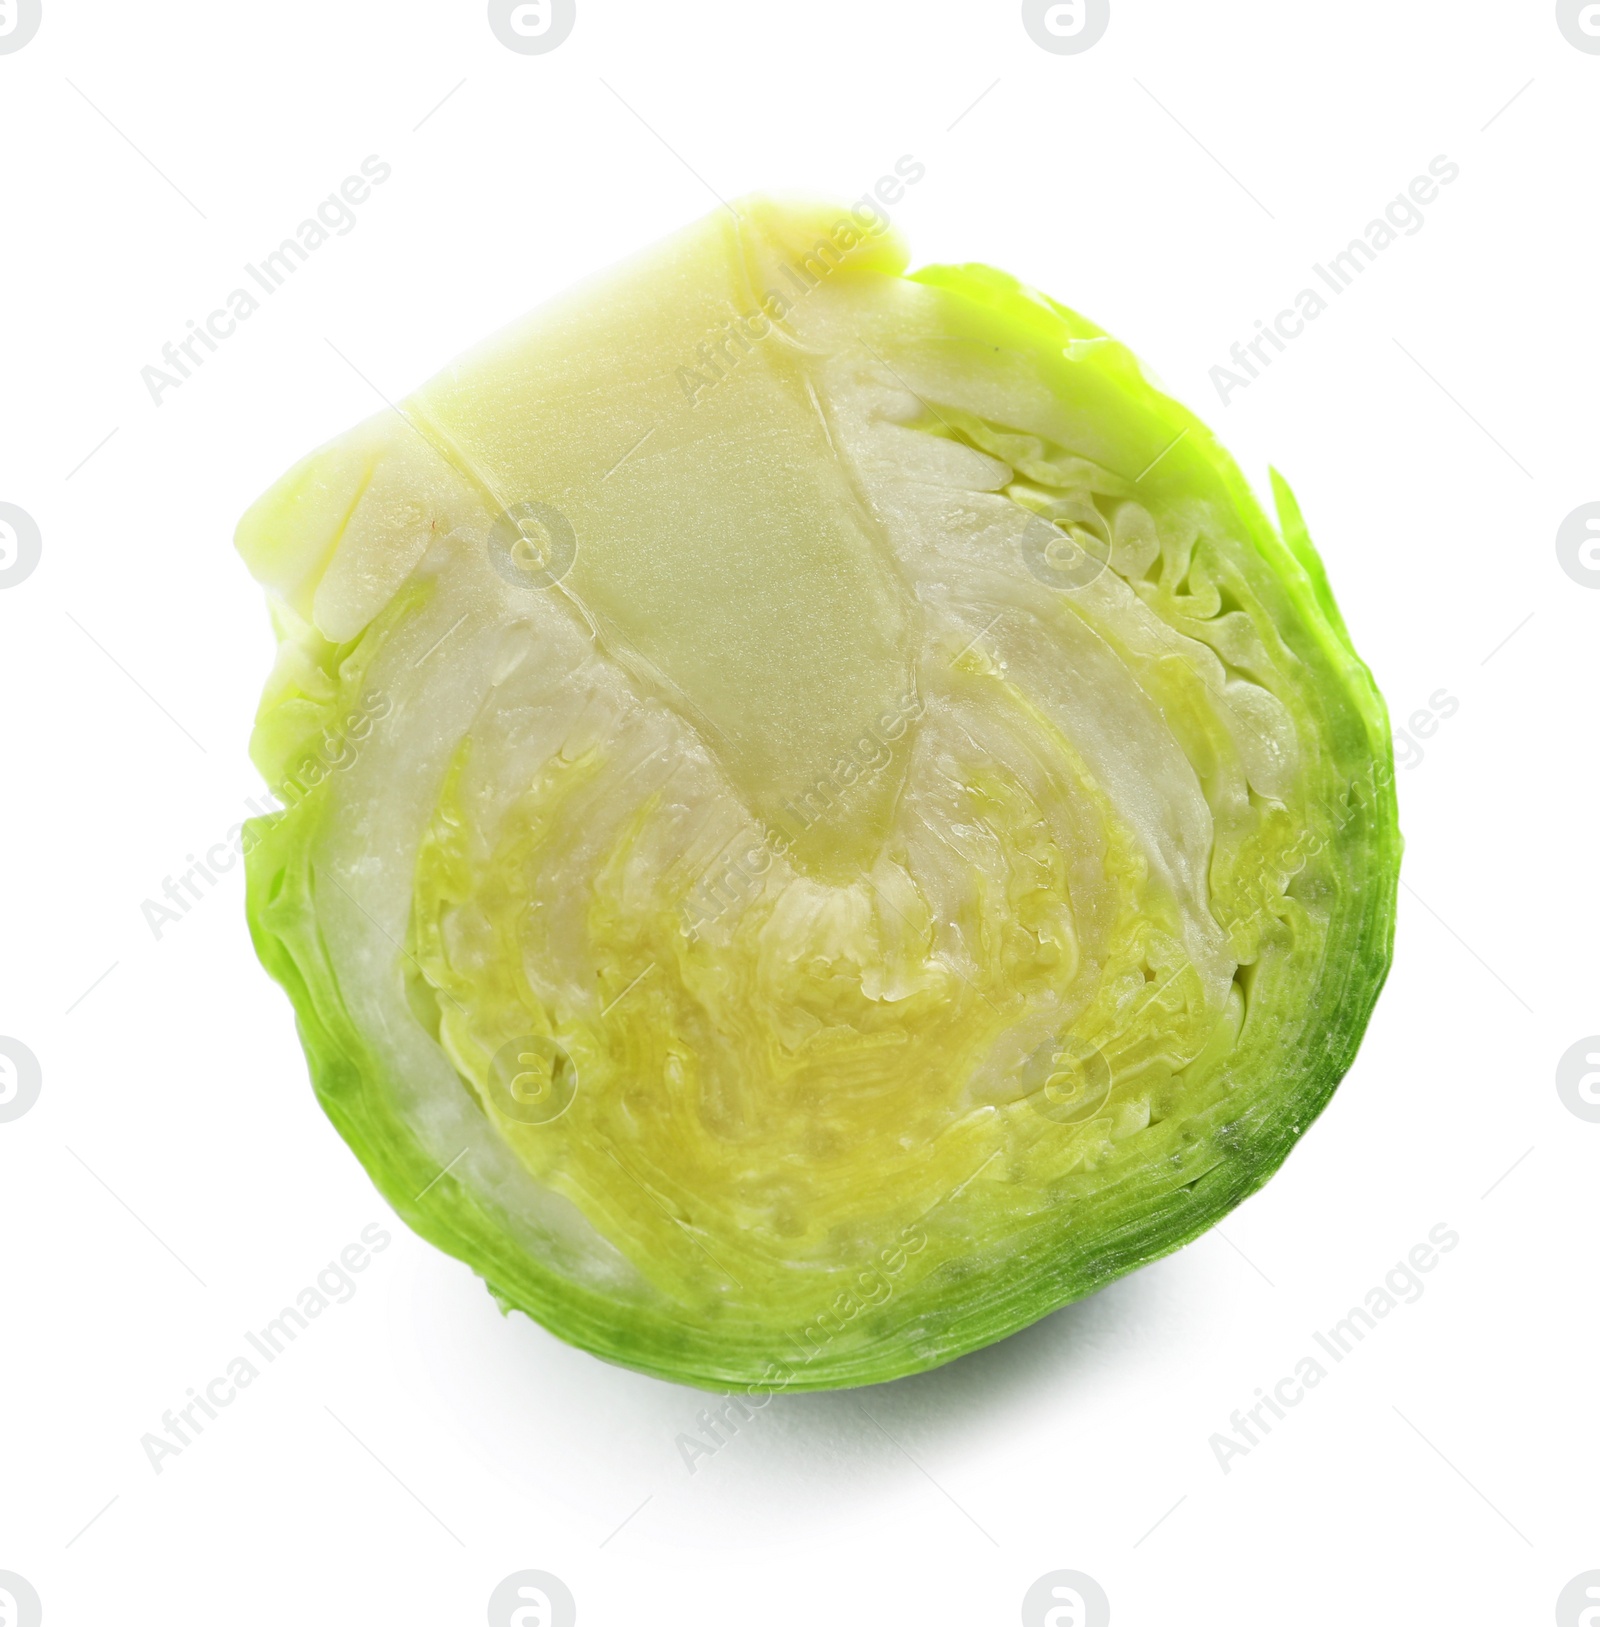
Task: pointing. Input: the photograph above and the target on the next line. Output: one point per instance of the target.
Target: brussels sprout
(823, 821)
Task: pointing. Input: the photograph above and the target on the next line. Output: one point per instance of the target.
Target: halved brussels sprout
(824, 822)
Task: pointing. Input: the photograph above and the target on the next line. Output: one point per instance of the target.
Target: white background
(176, 1183)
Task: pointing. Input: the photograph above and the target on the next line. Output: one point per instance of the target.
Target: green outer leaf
(1188, 1173)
